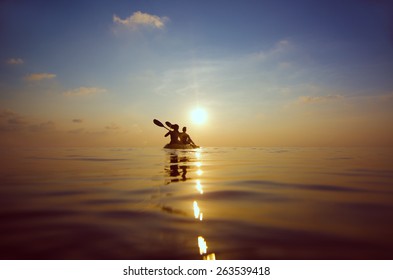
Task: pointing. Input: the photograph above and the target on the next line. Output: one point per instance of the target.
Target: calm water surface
(222, 203)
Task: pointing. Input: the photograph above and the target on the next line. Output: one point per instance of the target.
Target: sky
(266, 73)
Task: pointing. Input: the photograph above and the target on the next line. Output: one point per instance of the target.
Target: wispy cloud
(39, 76)
(386, 97)
(191, 78)
(5, 113)
(17, 120)
(11, 121)
(84, 91)
(318, 99)
(15, 61)
(76, 131)
(43, 127)
(139, 19)
(113, 126)
(280, 47)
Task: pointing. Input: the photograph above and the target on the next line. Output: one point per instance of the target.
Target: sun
(199, 116)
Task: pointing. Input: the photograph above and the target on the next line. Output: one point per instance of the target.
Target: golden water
(211, 203)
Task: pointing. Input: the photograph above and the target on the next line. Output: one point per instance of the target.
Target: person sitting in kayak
(185, 138)
(175, 134)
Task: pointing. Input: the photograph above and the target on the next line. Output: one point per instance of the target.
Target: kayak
(180, 146)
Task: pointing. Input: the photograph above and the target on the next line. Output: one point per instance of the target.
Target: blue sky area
(266, 72)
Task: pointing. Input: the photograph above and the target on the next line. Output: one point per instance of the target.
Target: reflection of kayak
(180, 146)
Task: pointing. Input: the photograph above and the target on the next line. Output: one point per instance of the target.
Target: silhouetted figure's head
(175, 127)
(184, 129)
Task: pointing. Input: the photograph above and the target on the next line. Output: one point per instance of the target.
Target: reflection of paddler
(184, 172)
(174, 167)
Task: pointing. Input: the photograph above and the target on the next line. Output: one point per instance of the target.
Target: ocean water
(210, 203)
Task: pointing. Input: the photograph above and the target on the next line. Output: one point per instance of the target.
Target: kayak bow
(180, 146)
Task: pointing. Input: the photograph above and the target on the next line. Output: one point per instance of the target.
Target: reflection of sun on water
(199, 187)
(203, 249)
(197, 212)
(202, 245)
(198, 155)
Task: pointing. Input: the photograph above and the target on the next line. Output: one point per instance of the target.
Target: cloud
(139, 19)
(280, 47)
(386, 97)
(77, 121)
(112, 126)
(39, 76)
(76, 131)
(11, 121)
(14, 122)
(17, 120)
(12, 118)
(318, 99)
(5, 113)
(195, 77)
(15, 61)
(43, 127)
(84, 91)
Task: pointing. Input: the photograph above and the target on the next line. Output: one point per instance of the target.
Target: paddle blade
(168, 124)
(158, 123)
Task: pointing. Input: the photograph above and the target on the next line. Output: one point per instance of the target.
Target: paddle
(158, 123)
(168, 124)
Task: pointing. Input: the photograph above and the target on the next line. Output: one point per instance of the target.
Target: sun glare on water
(199, 116)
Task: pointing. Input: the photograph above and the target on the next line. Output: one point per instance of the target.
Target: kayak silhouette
(174, 145)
